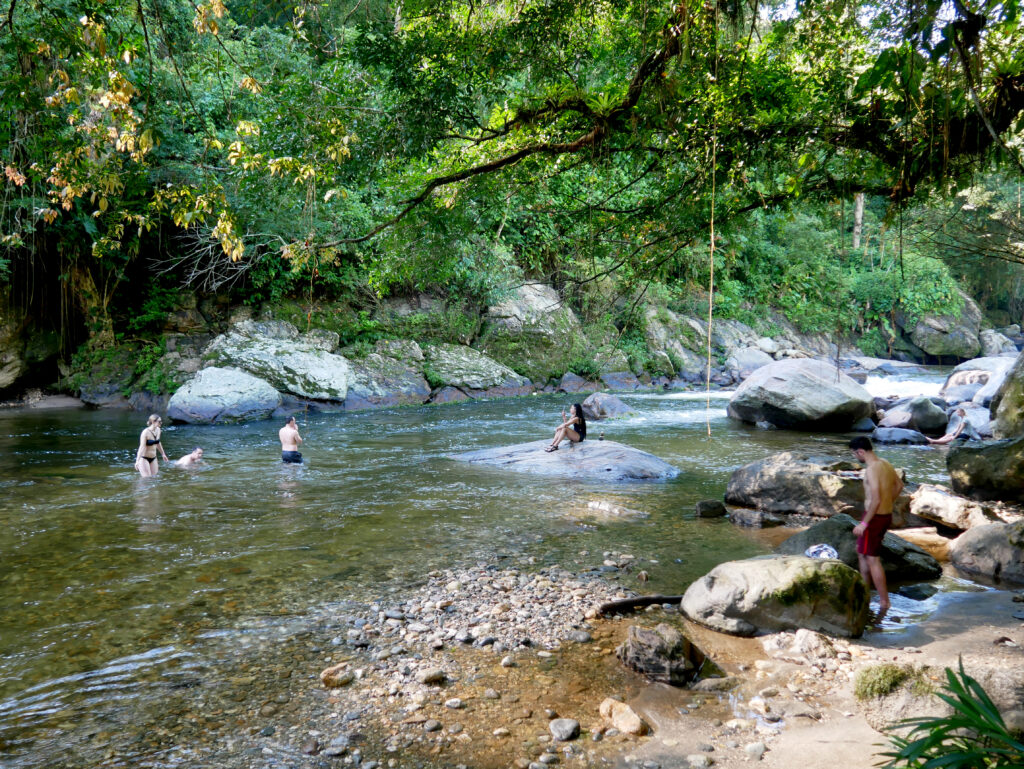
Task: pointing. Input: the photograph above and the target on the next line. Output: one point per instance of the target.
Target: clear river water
(116, 590)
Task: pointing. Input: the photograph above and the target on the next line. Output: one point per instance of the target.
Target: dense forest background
(849, 164)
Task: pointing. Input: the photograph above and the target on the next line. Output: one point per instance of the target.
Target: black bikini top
(151, 442)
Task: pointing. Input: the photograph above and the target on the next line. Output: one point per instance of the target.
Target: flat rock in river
(599, 460)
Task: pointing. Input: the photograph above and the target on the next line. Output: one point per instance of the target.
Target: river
(116, 590)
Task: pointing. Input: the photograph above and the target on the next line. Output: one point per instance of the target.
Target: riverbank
(481, 667)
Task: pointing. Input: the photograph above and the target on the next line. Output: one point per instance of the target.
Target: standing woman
(574, 428)
(149, 442)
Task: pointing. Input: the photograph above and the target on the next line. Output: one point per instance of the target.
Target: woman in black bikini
(574, 428)
(149, 442)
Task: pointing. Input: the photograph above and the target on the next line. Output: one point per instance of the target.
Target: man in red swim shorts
(882, 484)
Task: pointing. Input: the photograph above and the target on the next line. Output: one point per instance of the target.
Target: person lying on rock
(574, 428)
(958, 427)
(882, 484)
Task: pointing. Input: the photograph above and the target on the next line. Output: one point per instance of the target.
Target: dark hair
(581, 427)
(861, 442)
(289, 420)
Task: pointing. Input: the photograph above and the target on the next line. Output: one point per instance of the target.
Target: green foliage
(157, 303)
(584, 365)
(880, 680)
(973, 736)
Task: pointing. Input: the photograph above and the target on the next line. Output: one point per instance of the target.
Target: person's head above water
(197, 453)
(154, 419)
(290, 421)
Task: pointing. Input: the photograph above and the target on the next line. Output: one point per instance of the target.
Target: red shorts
(870, 542)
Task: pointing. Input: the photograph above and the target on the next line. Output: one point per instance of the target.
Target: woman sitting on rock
(574, 428)
(958, 427)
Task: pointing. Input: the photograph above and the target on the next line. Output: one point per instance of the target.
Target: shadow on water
(111, 585)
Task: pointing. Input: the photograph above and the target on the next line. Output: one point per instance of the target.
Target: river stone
(602, 405)
(564, 729)
(801, 394)
(902, 560)
(793, 482)
(897, 417)
(620, 380)
(995, 550)
(993, 343)
(948, 336)
(937, 503)
(674, 339)
(961, 393)
(622, 717)
(276, 352)
(463, 367)
(711, 508)
(662, 654)
(533, 330)
(747, 360)
(1007, 405)
(217, 395)
(779, 592)
(897, 435)
(380, 381)
(991, 471)
(604, 460)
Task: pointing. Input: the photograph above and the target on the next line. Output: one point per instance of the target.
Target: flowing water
(116, 589)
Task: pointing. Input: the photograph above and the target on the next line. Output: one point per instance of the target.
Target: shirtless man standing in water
(882, 484)
(290, 440)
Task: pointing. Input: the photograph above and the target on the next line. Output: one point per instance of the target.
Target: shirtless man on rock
(882, 485)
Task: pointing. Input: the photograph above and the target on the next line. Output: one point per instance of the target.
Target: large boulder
(797, 483)
(902, 560)
(898, 435)
(801, 394)
(533, 330)
(602, 405)
(597, 460)
(662, 654)
(779, 592)
(926, 417)
(950, 336)
(463, 367)
(990, 471)
(747, 360)
(276, 352)
(1007, 404)
(218, 395)
(993, 343)
(995, 550)
(939, 504)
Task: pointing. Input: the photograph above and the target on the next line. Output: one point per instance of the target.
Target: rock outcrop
(995, 550)
(12, 347)
(219, 395)
(950, 336)
(275, 351)
(939, 504)
(993, 343)
(902, 560)
(594, 460)
(801, 394)
(533, 330)
(774, 593)
(463, 367)
(990, 471)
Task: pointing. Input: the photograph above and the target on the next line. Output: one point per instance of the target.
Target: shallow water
(114, 588)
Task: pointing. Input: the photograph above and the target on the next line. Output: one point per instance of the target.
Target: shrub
(973, 736)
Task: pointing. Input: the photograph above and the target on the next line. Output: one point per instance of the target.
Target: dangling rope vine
(711, 257)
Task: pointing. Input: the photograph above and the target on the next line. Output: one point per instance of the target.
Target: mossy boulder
(218, 395)
(989, 471)
(533, 331)
(275, 351)
(774, 593)
(1007, 406)
(464, 367)
(950, 335)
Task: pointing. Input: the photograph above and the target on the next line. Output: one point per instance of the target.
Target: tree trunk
(858, 218)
